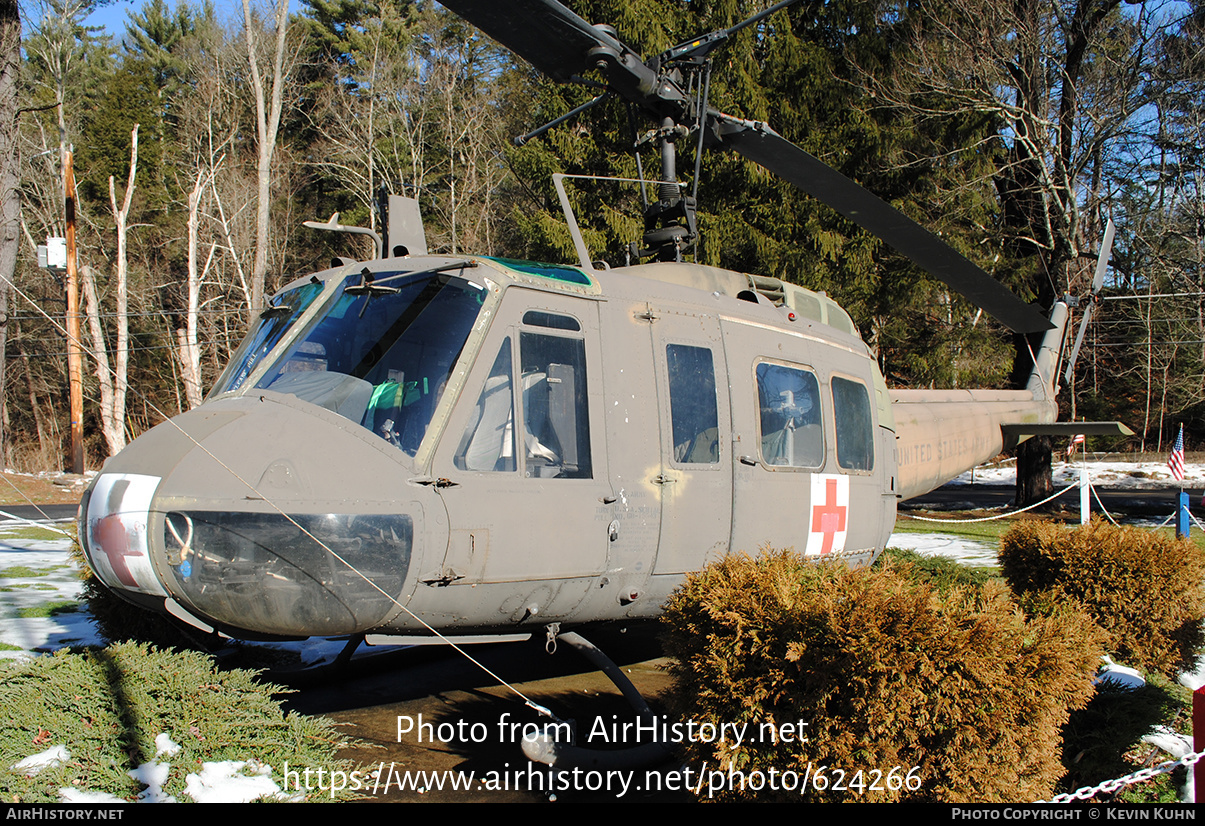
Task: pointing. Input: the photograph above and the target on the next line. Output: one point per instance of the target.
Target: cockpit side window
(381, 355)
(489, 440)
(791, 430)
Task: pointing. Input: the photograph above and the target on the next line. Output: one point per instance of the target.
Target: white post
(1083, 494)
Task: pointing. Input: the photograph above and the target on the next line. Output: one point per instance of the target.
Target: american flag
(1078, 440)
(1176, 462)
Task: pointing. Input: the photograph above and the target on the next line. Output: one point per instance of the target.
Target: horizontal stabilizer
(1067, 429)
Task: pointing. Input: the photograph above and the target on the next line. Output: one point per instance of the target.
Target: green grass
(1103, 740)
(49, 609)
(24, 572)
(4, 646)
(1194, 533)
(986, 532)
(34, 532)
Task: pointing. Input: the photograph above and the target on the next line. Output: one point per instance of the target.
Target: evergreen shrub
(1145, 589)
(887, 672)
(940, 572)
(119, 620)
(107, 706)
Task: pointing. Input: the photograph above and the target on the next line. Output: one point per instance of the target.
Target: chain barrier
(1101, 504)
(1004, 514)
(994, 516)
(1198, 521)
(1110, 786)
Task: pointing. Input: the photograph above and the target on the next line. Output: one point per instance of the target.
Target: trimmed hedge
(1145, 589)
(885, 670)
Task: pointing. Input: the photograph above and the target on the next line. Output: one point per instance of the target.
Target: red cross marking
(111, 535)
(829, 518)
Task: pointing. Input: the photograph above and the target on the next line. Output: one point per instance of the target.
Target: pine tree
(800, 71)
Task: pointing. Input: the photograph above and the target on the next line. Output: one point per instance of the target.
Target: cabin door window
(855, 424)
(791, 431)
(692, 402)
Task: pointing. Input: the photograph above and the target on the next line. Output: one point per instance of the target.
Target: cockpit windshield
(381, 353)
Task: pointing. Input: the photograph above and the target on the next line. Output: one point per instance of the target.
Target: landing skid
(568, 756)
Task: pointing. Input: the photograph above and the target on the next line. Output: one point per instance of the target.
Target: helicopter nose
(206, 519)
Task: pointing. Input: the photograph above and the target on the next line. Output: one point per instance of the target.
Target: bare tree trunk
(1034, 480)
(114, 384)
(100, 353)
(188, 349)
(267, 123)
(10, 197)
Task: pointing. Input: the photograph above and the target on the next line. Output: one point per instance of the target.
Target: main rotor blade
(561, 45)
(764, 146)
(543, 32)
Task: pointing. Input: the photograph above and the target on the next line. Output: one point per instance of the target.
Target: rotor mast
(565, 47)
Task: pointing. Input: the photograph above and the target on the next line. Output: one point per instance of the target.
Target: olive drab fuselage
(483, 446)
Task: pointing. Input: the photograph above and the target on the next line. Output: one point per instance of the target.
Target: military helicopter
(479, 446)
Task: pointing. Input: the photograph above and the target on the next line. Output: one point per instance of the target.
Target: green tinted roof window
(556, 272)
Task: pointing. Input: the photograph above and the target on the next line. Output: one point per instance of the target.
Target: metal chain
(1088, 792)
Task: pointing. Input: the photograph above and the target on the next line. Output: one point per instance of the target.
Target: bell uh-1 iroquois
(479, 446)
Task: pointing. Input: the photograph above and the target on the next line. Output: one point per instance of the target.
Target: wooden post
(75, 355)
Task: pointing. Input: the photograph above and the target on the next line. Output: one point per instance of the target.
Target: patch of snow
(1128, 475)
(1119, 675)
(47, 573)
(164, 747)
(1192, 680)
(229, 781)
(53, 756)
(153, 775)
(76, 796)
(225, 782)
(965, 551)
(1177, 745)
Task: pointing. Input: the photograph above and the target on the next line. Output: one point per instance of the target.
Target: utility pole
(75, 355)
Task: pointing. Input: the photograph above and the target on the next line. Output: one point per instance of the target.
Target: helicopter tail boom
(943, 433)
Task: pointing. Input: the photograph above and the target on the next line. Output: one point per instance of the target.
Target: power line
(155, 314)
(1147, 343)
(1153, 295)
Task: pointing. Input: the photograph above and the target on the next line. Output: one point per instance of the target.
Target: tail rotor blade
(1102, 260)
(1098, 281)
